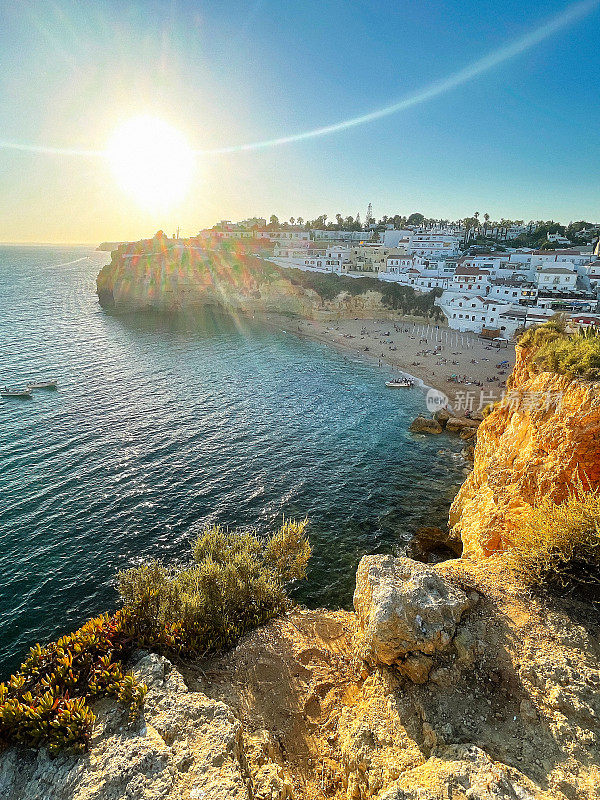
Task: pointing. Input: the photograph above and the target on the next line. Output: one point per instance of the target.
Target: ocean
(164, 424)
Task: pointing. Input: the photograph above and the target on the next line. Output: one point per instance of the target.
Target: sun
(151, 161)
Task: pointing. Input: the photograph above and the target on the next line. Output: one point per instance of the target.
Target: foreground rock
(466, 769)
(183, 745)
(510, 711)
(406, 612)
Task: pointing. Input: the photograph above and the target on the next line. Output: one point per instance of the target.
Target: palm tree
(292, 220)
(467, 222)
(485, 224)
(300, 221)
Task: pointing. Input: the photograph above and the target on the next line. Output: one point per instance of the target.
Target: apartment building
(433, 244)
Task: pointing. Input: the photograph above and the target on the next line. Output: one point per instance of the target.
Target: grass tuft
(557, 546)
(576, 355)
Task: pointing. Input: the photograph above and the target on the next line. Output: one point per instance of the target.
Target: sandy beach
(461, 365)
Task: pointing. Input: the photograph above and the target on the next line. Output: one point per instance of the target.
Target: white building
(433, 244)
(285, 237)
(334, 259)
(401, 263)
(472, 312)
(558, 238)
(556, 279)
(341, 236)
(512, 290)
(471, 280)
(518, 317)
(394, 237)
(593, 274)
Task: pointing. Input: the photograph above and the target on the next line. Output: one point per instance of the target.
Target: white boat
(6, 392)
(42, 385)
(400, 383)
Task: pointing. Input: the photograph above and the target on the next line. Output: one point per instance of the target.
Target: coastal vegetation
(553, 349)
(47, 701)
(557, 546)
(236, 582)
(394, 296)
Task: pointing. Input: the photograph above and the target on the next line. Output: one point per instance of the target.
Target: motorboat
(399, 383)
(22, 393)
(42, 385)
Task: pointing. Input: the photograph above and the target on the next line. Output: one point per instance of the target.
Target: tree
(292, 220)
(273, 221)
(300, 221)
(485, 224)
(416, 219)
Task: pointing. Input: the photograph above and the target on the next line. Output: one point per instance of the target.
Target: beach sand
(430, 353)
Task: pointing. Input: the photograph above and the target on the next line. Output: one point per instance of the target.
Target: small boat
(399, 383)
(6, 392)
(42, 385)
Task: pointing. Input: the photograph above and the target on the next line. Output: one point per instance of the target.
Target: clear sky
(516, 136)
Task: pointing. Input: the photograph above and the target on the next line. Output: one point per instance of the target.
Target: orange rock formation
(539, 441)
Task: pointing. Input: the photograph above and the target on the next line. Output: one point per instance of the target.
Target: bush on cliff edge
(558, 545)
(236, 582)
(555, 350)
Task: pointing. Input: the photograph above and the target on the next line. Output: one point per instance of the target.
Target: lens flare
(152, 162)
(570, 15)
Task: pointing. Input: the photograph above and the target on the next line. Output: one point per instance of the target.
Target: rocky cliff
(538, 442)
(150, 275)
(447, 682)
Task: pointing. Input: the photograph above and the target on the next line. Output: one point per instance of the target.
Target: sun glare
(151, 161)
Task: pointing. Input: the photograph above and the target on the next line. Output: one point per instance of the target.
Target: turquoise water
(161, 425)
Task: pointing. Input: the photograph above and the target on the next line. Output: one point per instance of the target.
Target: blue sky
(521, 140)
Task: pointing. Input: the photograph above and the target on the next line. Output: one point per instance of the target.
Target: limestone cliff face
(538, 442)
(170, 280)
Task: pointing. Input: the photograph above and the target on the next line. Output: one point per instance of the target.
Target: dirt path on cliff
(290, 679)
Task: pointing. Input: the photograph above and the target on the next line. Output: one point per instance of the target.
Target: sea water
(164, 424)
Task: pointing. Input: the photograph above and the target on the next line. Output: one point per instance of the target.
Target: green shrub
(236, 582)
(47, 700)
(558, 545)
(555, 350)
(394, 296)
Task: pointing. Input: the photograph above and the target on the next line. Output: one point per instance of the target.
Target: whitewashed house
(511, 290)
(518, 317)
(433, 244)
(472, 312)
(556, 279)
(593, 274)
(395, 237)
(471, 280)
